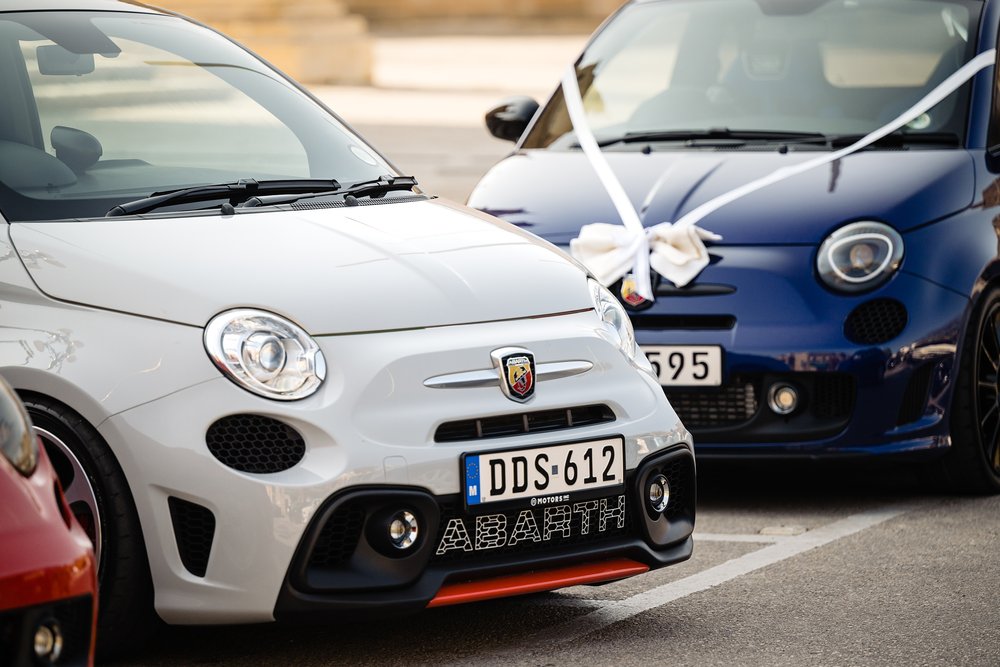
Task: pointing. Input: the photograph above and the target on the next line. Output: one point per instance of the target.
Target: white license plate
(555, 470)
(686, 365)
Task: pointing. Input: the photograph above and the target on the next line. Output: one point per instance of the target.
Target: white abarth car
(275, 378)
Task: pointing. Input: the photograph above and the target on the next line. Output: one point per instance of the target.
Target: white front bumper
(372, 423)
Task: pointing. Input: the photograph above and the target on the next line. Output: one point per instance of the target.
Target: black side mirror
(510, 117)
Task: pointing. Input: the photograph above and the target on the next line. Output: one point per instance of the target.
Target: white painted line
(738, 537)
(786, 547)
(755, 560)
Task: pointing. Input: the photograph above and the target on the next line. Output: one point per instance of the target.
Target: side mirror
(510, 117)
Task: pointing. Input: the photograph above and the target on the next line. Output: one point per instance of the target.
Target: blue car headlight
(859, 257)
(265, 354)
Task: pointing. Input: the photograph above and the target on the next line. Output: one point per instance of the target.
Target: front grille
(833, 396)
(685, 322)
(525, 422)
(715, 408)
(915, 397)
(339, 537)
(452, 508)
(255, 444)
(194, 529)
(875, 322)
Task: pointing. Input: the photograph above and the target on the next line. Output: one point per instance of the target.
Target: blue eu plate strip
(472, 480)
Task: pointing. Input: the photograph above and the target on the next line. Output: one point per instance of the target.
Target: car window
(100, 108)
(833, 67)
(149, 104)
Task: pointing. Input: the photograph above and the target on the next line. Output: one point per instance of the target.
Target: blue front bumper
(884, 392)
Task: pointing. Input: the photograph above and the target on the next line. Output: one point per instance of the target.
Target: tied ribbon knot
(677, 253)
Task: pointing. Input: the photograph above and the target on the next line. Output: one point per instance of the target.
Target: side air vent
(875, 322)
(256, 444)
(194, 530)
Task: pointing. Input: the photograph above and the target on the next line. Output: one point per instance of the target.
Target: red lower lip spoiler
(536, 582)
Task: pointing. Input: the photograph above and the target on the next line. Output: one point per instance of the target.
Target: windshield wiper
(373, 188)
(899, 139)
(721, 133)
(235, 192)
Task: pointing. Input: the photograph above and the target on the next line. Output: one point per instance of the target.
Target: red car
(48, 579)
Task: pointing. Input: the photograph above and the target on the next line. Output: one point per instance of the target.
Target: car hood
(334, 270)
(553, 193)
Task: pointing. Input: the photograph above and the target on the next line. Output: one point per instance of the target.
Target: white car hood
(333, 270)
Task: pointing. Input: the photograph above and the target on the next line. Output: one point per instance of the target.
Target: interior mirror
(55, 60)
(510, 117)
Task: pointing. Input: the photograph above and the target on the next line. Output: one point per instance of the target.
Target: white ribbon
(679, 254)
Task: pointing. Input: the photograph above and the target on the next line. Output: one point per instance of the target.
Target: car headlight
(615, 319)
(265, 354)
(859, 256)
(17, 439)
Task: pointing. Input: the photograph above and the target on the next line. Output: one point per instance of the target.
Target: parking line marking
(738, 537)
(784, 548)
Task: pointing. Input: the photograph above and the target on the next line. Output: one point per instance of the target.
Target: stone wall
(314, 41)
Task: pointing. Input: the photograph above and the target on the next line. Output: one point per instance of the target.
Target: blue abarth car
(851, 309)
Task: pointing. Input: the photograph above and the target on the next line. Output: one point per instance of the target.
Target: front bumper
(871, 386)
(373, 425)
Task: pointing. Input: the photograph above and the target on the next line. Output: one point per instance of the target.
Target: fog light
(659, 493)
(48, 642)
(782, 398)
(403, 530)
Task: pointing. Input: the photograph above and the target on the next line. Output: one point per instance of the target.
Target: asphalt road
(800, 565)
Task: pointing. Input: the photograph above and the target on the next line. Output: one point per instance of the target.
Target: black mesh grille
(453, 509)
(252, 443)
(726, 406)
(833, 395)
(525, 422)
(915, 397)
(679, 473)
(339, 537)
(875, 322)
(194, 529)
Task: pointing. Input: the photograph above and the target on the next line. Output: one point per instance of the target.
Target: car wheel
(99, 497)
(973, 464)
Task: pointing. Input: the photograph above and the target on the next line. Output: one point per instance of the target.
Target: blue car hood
(553, 193)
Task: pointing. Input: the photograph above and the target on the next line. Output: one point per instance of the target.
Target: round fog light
(403, 530)
(659, 493)
(48, 642)
(782, 398)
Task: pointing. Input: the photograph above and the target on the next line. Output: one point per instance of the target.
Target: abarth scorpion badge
(517, 372)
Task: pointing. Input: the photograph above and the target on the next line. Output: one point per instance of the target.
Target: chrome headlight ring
(859, 256)
(265, 354)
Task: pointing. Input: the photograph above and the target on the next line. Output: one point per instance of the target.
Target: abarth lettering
(492, 531)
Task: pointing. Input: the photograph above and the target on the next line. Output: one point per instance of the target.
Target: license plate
(543, 474)
(686, 365)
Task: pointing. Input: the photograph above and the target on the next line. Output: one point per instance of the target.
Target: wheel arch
(45, 384)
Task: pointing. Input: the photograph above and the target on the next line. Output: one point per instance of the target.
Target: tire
(100, 498)
(973, 463)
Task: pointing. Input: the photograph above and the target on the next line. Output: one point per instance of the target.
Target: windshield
(101, 108)
(836, 67)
